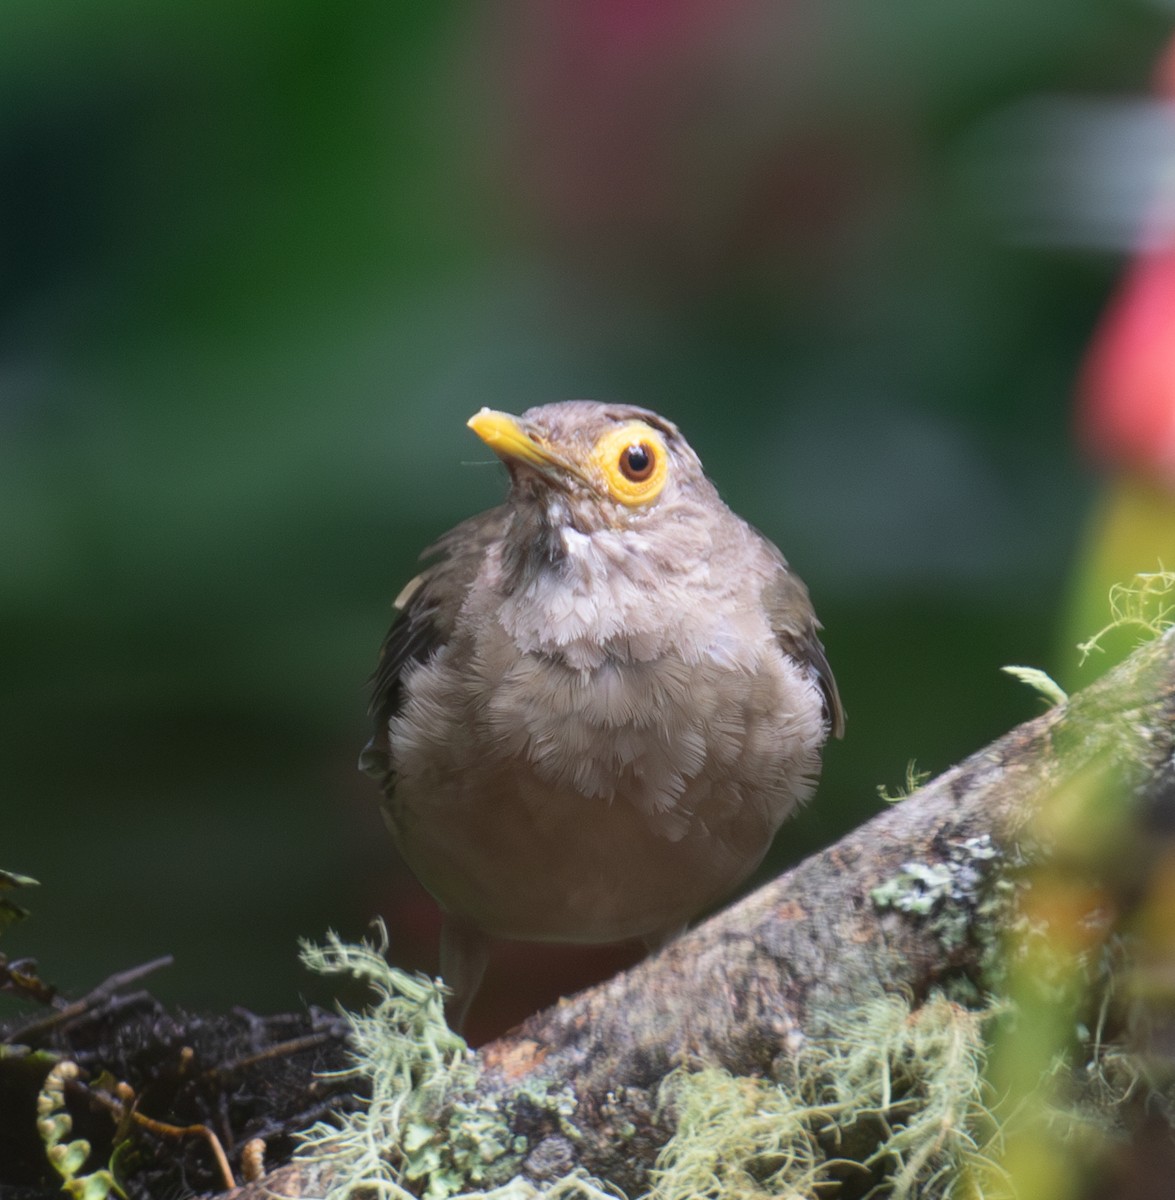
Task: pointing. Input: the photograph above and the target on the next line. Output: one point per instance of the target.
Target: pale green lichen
(903, 1089)
(411, 1059)
(424, 1131)
(1145, 603)
(966, 899)
(476, 1146)
(893, 1097)
(945, 894)
(452, 1157)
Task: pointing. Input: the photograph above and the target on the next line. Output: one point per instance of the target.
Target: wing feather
(796, 629)
(427, 610)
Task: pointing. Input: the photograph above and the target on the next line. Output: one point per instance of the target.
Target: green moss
(915, 778)
(1041, 682)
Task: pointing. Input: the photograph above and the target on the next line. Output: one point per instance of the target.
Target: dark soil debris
(240, 1076)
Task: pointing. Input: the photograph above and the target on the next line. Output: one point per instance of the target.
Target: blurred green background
(258, 264)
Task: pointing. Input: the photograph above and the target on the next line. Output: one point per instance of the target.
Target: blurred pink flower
(1126, 413)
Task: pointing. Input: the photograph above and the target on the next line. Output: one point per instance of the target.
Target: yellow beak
(508, 438)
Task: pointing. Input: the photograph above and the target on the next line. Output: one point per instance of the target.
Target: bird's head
(611, 526)
(590, 467)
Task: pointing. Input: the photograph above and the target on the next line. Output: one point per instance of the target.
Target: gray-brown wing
(796, 629)
(426, 613)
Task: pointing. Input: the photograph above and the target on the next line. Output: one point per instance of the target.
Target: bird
(599, 701)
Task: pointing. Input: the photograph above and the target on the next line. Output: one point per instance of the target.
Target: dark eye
(637, 461)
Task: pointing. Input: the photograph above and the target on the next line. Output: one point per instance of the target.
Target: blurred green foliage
(259, 262)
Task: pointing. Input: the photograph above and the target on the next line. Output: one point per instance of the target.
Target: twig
(77, 1008)
(279, 1050)
(122, 1109)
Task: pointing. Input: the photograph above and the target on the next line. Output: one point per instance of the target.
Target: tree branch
(907, 903)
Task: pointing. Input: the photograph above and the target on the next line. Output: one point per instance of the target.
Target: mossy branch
(917, 906)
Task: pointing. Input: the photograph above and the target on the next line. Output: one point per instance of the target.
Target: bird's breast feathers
(683, 733)
(648, 789)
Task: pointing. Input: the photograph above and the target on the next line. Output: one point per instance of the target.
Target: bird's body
(597, 706)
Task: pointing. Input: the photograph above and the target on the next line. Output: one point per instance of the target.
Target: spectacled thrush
(598, 703)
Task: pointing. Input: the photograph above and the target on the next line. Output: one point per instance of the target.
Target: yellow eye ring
(633, 461)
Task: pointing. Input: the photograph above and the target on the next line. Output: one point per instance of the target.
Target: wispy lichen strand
(1145, 603)
(409, 1056)
(905, 1086)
